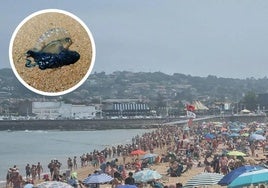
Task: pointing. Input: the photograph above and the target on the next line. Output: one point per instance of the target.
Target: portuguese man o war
(52, 50)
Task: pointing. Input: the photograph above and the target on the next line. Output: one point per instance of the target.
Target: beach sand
(83, 172)
(57, 79)
(160, 167)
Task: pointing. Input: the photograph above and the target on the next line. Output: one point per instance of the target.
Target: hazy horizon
(171, 74)
(221, 38)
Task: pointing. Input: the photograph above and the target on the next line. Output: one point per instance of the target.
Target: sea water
(22, 147)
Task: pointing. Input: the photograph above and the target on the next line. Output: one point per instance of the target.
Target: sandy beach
(175, 140)
(161, 168)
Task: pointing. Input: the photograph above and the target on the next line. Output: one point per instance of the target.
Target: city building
(60, 110)
(128, 108)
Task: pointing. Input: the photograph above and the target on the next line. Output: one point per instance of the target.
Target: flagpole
(190, 114)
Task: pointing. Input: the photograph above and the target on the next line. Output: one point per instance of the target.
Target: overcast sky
(200, 38)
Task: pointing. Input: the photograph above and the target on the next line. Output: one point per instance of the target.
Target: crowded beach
(173, 155)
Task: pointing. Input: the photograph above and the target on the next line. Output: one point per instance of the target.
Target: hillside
(153, 87)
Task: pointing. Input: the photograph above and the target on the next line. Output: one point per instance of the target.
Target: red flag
(190, 107)
(191, 115)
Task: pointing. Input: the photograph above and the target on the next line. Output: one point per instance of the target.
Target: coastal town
(134, 94)
(186, 137)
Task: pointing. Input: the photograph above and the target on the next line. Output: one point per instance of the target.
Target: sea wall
(103, 124)
(79, 124)
(244, 118)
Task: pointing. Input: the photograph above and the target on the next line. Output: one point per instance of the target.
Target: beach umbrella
(256, 137)
(228, 178)
(235, 129)
(29, 185)
(149, 155)
(146, 176)
(126, 186)
(186, 128)
(137, 152)
(234, 135)
(74, 175)
(218, 125)
(249, 178)
(225, 133)
(259, 131)
(245, 134)
(209, 136)
(204, 179)
(98, 178)
(236, 153)
(53, 184)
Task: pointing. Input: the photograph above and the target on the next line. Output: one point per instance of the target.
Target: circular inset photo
(52, 52)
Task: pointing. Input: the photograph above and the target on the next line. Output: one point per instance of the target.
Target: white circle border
(92, 58)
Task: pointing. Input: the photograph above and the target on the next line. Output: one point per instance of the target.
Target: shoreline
(167, 134)
(59, 145)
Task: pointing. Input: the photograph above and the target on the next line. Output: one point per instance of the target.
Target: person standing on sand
(50, 167)
(39, 170)
(124, 155)
(28, 170)
(16, 179)
(216, 164)
(252, 148)
(56, 171)
(75, 163)
(8, 177)
(33, 172)
(224, 164)
(110, 153)
(70, 164)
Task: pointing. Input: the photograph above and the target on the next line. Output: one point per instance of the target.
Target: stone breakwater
(15, 125)
(103, 124)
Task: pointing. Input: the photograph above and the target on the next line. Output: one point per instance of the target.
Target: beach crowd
(181, 148)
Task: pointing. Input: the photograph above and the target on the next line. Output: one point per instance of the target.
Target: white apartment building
(60, 110)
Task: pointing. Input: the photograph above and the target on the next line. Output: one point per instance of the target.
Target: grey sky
(200, 38)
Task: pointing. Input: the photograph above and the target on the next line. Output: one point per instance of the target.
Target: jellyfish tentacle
(29, 63)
